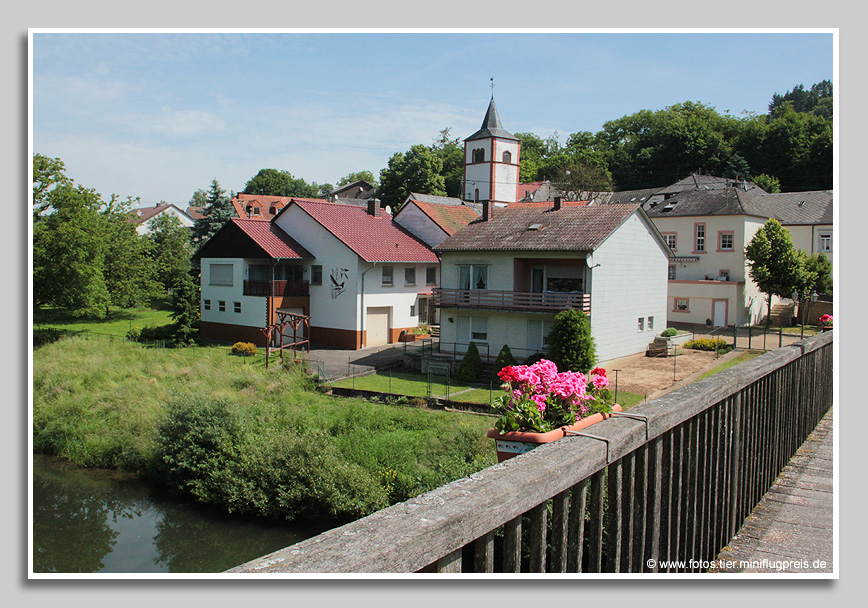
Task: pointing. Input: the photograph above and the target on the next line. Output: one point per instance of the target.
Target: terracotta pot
(514, 443)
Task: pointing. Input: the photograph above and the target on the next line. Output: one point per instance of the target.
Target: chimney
(374, 207)
(558, 202)
(486, 210)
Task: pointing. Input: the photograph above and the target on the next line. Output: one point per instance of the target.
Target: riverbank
(227, 432)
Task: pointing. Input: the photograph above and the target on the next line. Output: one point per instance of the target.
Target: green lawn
(118, 322)
(740, 358)
(416, 385)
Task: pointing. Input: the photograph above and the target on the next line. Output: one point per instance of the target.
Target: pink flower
(540, 401)
(599, 382)
(598, 371)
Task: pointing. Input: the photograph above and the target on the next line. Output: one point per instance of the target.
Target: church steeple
(491, 161)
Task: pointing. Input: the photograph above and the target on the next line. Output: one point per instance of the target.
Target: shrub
(471, 365)
(669, 332)
(711, 344)
(535, 358)
(504, 359)
(571, 346)
(244, 349)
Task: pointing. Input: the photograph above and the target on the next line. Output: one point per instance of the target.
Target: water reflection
(102, 521)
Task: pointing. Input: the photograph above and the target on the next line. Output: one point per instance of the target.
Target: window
(388, 272)
(221, 306)
(672, 273)
(473, 277)
(237, 306)
(478, 155)
(412, 310)
(507, 157)
(431, 276)
(272, 210)
(206, 304)
(221, 274)
(825, 241)
(682, 305)
(650, 323)
(725, 241)
(316, 275)
(671, 239)
(409, 276)
(479, 329)
(700, 237)
(641, 324)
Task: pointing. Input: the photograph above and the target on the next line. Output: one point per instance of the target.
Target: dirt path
(653, 376)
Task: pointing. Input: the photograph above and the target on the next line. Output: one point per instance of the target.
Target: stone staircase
(781, 313)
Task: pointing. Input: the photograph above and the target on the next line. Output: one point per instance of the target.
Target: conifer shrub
(504, 359)
(471, 365)
(571, 346)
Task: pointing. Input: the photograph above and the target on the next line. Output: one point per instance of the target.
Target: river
(87, 521)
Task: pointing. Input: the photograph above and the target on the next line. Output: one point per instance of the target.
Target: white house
(505, 277)
(707, 222)
(360, 277)
(434, 218)
(142, 216)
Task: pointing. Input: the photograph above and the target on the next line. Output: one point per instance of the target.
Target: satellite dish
(589, 259)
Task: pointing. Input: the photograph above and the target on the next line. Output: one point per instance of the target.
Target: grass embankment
(227, 432)
(739, 358)
(118, 322)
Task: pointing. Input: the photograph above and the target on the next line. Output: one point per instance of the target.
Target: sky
(159, 114)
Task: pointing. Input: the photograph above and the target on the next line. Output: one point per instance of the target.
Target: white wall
(419, 224)
(253, 312)
(630, 282)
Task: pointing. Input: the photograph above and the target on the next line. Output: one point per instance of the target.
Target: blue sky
(159, 115)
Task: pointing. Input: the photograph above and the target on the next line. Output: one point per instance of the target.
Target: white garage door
(377, 326)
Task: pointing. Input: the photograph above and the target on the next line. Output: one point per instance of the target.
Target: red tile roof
(547, 204)
(274, 241)
(259, 201)
(451, 218)
(374, 239)
(143, 214)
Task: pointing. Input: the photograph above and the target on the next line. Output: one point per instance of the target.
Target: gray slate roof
(792, 208)
(540, 229)
(491, 126)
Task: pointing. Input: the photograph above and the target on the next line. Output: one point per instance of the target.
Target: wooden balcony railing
(664, 486)
(511, 300)
(276, 288)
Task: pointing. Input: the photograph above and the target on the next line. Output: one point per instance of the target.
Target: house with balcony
(360, 278)
(505, 276)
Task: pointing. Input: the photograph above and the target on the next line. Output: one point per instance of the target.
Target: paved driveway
(337, 363)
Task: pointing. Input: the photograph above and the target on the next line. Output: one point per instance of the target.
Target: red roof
(259, 202)
(374, 239)
(550, 204)
(451, 218)
(274, 241)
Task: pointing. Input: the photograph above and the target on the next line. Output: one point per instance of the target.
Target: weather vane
(492, 87)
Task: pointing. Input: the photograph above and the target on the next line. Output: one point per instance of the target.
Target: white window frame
(221, 274)
(388, 276)
(410, 276)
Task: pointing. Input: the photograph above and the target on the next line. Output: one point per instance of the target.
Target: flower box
(513, 443)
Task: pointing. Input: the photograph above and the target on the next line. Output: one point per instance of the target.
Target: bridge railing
(671, 479)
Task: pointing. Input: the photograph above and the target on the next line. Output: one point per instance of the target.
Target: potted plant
(826, 323)
(541, 405)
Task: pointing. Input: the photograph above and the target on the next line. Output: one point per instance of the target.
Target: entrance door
(719, 313)
(377, 326)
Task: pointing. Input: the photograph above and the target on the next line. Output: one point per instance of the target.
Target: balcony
(277, 288)
(547, 301)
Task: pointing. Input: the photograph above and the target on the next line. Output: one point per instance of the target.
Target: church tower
(491, 162)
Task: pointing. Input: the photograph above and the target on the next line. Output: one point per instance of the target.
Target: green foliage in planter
(711, 344)
(504, 359)
(571, 346)
(669, 332)
(470, 366)
(245, 349)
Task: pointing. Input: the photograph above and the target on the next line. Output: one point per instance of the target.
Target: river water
(87, 521)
